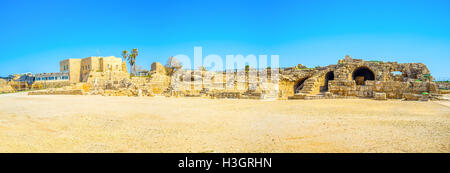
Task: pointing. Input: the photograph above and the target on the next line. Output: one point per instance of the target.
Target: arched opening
(329, 76)
(299, 85)
(362, 74)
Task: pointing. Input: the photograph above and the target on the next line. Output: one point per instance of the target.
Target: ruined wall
(157, 83)
(101, 79)
(393, 89)
(49, 84)
(443, 85)
(286, 88)
(5, 87)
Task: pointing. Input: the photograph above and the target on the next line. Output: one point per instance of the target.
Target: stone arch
(362, 74)
(328, 76)
(299, 85)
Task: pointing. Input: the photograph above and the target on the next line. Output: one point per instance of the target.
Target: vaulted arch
(362, 74)
(329, 76)
(299, 85)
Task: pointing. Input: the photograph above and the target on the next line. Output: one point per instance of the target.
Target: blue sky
(36, 34)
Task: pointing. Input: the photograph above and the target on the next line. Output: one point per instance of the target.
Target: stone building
(79, 70)
(73, 67)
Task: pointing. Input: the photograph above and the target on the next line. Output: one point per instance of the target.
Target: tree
(124, 55)
(173, 65)
(132, 59)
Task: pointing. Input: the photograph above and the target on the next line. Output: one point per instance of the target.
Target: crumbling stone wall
(49, 84)
(5, 87)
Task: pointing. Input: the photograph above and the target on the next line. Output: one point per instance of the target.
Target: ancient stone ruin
(358, 78)
(349, 78)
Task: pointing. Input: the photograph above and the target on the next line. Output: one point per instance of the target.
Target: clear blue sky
(36, 34)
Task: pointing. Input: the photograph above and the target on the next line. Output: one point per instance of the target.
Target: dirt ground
(159, 124)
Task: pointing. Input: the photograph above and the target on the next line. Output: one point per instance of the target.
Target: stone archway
(329, 76)
(299, 85)
(361, 74)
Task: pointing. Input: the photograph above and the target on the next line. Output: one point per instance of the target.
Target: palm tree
(124, 54)
(132, 59)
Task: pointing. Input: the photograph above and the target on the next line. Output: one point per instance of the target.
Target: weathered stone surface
(158, 68)
(57, 92)
(372, 76)
(5, 87)
(412, 97)
(380, 96)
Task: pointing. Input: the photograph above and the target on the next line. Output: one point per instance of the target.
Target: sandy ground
(158, 124)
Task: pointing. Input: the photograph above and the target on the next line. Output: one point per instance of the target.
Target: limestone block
(411, 96)
(370, 83)
(380, 96)
(359, 80)
(158, 68)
